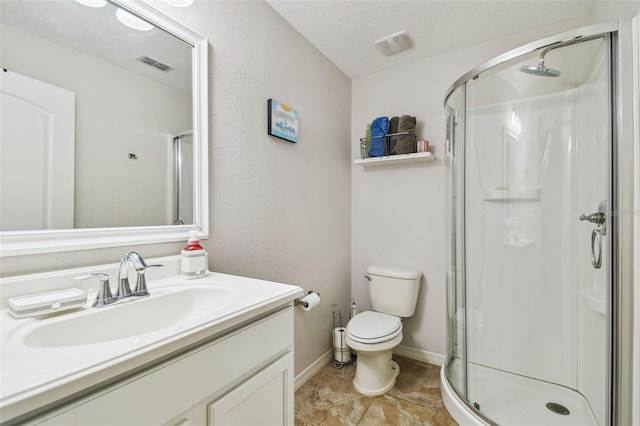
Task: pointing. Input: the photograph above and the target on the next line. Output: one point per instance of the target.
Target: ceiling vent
(154, 63)
(394, 43)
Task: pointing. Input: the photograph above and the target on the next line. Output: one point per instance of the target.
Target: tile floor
(329, 399)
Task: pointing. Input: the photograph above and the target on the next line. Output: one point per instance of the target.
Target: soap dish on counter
(30, 305)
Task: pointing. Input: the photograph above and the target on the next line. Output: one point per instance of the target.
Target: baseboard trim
(317, 365)
(419, 355)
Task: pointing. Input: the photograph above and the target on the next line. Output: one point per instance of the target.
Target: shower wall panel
(521, 278)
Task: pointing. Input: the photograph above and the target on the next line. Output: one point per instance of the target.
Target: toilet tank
(393, 289)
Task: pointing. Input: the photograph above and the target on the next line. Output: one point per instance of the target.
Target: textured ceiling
(344, 31)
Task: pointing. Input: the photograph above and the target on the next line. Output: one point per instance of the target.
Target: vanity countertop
(39, 375)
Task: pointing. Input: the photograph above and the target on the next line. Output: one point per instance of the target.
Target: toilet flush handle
(367, 276)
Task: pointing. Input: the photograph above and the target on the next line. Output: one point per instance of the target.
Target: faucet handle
(138, 261)
(104, 296)
(141, 282)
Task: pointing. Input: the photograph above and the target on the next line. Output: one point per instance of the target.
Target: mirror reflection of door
(183, 175)
(36, 154)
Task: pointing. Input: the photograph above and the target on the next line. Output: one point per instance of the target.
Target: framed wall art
(283, 121)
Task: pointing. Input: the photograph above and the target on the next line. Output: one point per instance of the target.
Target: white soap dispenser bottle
(194, 258)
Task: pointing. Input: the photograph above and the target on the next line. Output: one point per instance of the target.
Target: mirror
(104, 127)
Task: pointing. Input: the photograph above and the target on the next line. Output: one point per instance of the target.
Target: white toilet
(374, 334)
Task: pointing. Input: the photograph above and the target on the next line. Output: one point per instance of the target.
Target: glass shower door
(454, 158)
(528, 280)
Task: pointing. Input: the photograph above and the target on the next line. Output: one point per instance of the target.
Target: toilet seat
(373, 327)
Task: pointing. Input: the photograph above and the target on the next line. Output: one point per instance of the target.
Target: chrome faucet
(104, 296)
(124, 290)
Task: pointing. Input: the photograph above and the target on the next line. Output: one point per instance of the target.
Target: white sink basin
(163, 309)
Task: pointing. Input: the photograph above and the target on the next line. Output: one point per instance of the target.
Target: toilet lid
(373, 327)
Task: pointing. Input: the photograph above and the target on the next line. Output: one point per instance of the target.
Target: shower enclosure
(530, 149)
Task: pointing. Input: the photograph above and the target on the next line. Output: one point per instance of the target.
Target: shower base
(510, 399)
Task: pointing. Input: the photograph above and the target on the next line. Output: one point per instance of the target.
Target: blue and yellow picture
(283, 121)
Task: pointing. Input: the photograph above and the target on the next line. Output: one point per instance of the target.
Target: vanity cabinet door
(265, 399)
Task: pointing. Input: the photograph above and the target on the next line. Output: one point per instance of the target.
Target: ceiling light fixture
(132, 21)
(394, 43)
(179, 3)
(93, 3)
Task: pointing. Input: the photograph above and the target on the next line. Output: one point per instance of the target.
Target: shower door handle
(596, 248)
(598, 218)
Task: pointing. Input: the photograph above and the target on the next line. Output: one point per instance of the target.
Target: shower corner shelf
(396, 159)
(531, 194)
(520, 243)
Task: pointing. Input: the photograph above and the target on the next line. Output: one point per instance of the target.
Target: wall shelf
(396, 159)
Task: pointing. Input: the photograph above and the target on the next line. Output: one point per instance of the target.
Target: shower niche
(528, 149)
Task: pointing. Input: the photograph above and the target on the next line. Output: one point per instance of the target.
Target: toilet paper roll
(339, 338)
(310, 301)
(341, 352)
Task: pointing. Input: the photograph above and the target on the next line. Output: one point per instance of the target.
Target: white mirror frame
(15, 243)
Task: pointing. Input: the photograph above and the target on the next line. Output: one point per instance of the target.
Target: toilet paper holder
(298, 301)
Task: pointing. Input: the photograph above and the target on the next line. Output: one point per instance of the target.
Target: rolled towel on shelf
(379, 128)
(367, 139)
(393, 128)
(406, 144)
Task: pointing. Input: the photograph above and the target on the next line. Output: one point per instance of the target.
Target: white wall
(109, 126)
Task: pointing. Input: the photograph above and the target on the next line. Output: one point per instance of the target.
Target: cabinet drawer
(157, 395)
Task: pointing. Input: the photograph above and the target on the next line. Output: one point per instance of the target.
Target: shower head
(540, 70)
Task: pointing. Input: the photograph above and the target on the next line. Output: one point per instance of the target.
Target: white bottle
(194, 258)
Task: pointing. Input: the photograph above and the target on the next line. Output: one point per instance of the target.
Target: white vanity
(216, 350)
